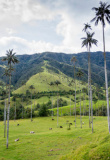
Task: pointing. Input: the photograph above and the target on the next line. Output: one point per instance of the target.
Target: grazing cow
(74, 121)
(17, 124)
(50, 128)
(16, 140)
(70, 123)
(32, 132)
(52, 119)
(61, 127)
(82, 122)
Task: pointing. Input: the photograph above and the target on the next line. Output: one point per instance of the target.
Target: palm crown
(11, 58)
(102, 13)
(80, 73)
(89, 40)
(86, 27)
(73, 59)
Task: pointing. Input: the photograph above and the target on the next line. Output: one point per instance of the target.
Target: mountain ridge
(32, 64)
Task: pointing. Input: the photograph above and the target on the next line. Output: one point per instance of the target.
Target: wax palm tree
(86, 27)
(79, 75)
(12, 59)
(31, 87)
(103, 14)
(73, 59)
(88, 41)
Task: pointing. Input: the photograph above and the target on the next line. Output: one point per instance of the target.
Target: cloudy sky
(35, 26)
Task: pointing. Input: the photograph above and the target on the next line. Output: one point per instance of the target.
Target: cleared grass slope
(58, 143)
(42, 80)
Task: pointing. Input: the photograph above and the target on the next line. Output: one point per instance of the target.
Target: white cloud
(22, 46)
(24, 11)
(10, 31)
(68, 16)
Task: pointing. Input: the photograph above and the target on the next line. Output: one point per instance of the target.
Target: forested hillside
(32, 64)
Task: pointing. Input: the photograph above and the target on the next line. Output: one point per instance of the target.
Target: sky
(36, 26)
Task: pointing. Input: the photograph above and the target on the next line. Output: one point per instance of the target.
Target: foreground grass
(58, 143)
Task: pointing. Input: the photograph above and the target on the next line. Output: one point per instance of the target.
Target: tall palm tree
(12, 59)
(85, 29)
(102, 14)
(73, 59)
(79, 75)
(88, 41)
(31, 87)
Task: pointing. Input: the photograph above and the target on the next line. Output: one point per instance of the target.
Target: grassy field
(58, 143)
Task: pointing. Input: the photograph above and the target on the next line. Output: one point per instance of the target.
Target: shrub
(43, 111)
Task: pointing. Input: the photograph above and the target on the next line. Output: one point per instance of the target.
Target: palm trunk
(34, 102)
(22, 107)
(91, 106)
(70, 106)
(31, 105)
(95, 110)
(83, 104)
(61, 110)
(90, 91)
(102, 110)
(8, 111)
(57, 107)
(98, 104)
(80, 105)
(5, 109)
(5, 119)
(52, 106)
(106, 79)
(75, 94)
(15, 112)
(89, 86)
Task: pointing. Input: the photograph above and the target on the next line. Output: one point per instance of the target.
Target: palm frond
(89, 41)
(86, 27)
(73, 59)
(103, 11)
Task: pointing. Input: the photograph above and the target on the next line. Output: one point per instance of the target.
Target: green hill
(43, 70)
(45, 81)
(32, 64)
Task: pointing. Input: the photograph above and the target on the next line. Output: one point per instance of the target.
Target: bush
(43, 111)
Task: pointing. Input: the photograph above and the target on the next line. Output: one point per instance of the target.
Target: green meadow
(58, 143)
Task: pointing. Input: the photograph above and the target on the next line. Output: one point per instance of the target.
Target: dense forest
(32, 64)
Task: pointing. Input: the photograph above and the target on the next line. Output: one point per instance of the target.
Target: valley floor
(57, 143)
